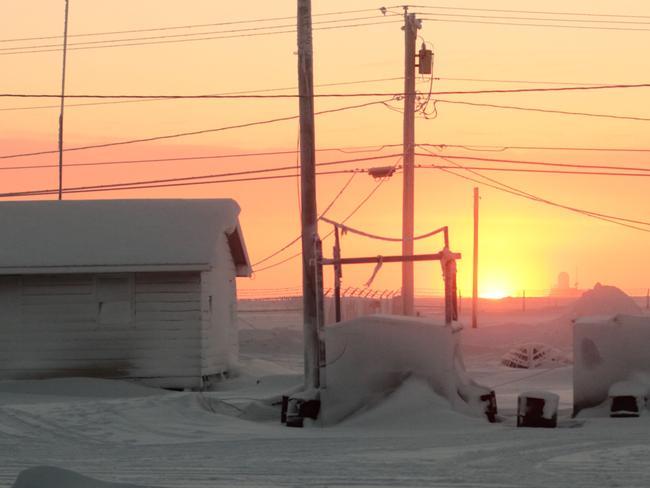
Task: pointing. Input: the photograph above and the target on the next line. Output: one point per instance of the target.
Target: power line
(539, 163)
(528, 170)
(189, 26)
(192, 133)
(585, 14)
(192, 34)
(523, 82)
(171, 184)
(544, 110)
(590, 21)
(342, 83)
(484, 147)
(527, 24)
(515, 191)
(348, 217)
(209, 38)
(262, 90)
(333, 95)
(323, 213)
(218, 175)
(348, 150)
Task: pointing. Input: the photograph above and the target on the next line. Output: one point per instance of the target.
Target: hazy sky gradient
(524, 244)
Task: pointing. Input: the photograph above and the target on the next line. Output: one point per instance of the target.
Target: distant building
(140, 289)
(563, 288)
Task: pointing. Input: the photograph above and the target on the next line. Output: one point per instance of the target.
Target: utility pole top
(410, 28)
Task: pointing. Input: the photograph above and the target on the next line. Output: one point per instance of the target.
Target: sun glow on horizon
(494, 294)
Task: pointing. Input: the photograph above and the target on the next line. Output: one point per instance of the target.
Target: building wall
(126, 325)
(220, 342)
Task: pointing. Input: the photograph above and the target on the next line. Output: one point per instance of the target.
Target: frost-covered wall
(110, 325)
(608, 350)
(219, 335)
(369, 357)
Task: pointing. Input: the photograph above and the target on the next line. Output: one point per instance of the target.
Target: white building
(141, 289)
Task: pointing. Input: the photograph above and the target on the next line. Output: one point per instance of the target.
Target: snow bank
(412, 406)
(55, 389)
(370, 357)
(50, 477)
(604, 300)
(607, 351)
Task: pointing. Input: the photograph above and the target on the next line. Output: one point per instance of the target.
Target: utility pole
(411, 25)
(312, 291)
(475, 267)
(65, 50)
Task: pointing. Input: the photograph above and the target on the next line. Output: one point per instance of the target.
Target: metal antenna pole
(65, 51)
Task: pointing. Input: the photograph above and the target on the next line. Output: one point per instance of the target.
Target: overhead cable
(493, 183)
(330, 95)
(544, 110)
(191, 133)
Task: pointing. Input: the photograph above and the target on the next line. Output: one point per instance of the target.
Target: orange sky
(524, 244)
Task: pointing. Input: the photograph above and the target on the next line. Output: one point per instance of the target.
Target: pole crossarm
(393, 259)
(345, 229)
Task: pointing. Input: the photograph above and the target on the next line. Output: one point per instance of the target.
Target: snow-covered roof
(118, 235)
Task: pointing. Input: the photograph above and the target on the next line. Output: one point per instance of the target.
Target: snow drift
(604, 300)
(50, 477)
(608, 350)
(368, 358)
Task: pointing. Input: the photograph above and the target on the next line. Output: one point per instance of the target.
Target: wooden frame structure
(446, 258)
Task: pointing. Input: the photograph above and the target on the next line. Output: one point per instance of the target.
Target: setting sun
(494, 294)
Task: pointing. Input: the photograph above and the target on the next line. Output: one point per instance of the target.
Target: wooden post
(475, 268)
(338, 273)
(523, 300)
(408, 202)
(320, 311)
(309, 217)
(448, 292)
(647, 299)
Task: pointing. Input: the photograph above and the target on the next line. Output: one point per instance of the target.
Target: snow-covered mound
(604, 300)
(56, 389)
(50, 477)
(412, 406)
(607, 351)
(368, 358)
(534, 355)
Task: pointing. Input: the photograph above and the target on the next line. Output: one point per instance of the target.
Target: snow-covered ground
(119, 432)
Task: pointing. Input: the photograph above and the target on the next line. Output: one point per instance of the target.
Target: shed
(137, 289)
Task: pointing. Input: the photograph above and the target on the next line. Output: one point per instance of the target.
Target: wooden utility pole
(475, 267)
(65, 51)
(311, 287)
(408, 204)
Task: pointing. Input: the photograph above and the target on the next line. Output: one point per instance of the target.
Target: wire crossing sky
(543, 108)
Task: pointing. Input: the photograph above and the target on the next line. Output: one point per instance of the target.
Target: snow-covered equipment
(295, 410)
(608, 350)
(371, 357)
(627, 398)
(537, 409)
(534, 355)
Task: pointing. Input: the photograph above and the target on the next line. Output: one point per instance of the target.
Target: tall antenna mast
(65, 51)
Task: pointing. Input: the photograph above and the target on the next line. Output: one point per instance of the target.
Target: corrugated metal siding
(134, 325)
